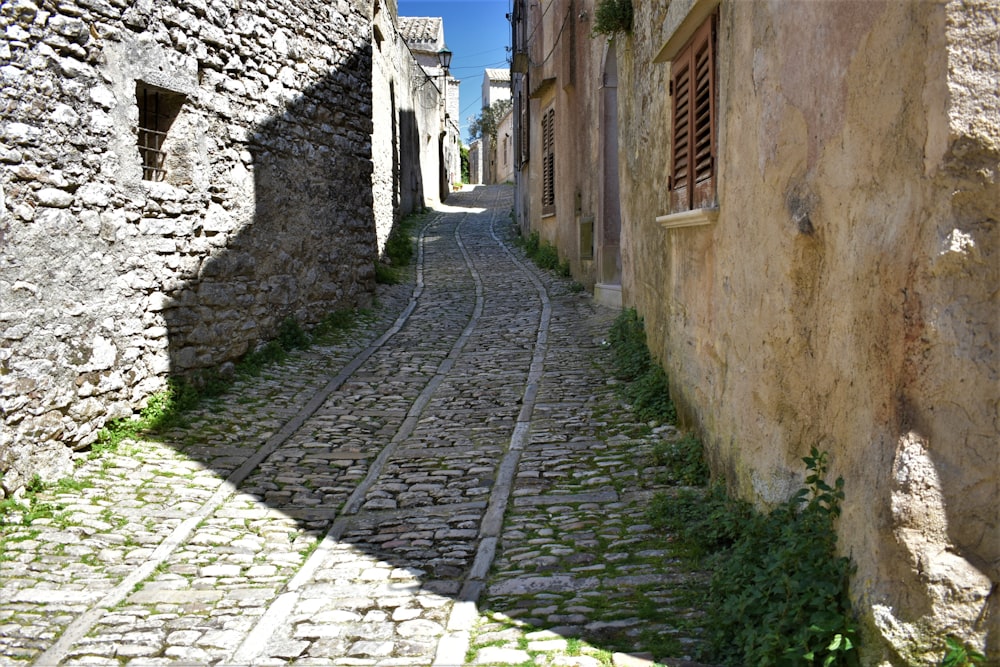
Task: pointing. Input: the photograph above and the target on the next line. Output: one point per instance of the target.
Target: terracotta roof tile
(424, 31)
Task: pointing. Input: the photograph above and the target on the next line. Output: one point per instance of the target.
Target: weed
(629, 352)
(291, 336)
(779, 593)
(386, 275)
(646, 385)
(612, 16)
(167, 409)
(683, 459)
(69, 484)
(36, 484)
(959, 655)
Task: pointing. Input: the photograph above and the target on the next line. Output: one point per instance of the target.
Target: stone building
(495, 88)
(425, 38)
(408, 117)
(809, 227)
(177, 178)
(503, 150)
(476, 161)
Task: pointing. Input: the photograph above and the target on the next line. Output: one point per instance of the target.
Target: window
(548, 162)
(158, 109)
(693, 137)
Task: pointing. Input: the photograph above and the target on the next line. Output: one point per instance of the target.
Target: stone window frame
(158, 109)
(548, 162)
(693, 27)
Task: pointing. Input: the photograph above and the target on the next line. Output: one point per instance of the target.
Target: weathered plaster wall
(846, 297)
(565, 74)
(406, 107)
(109, 283)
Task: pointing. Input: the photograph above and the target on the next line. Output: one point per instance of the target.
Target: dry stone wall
(109, 282)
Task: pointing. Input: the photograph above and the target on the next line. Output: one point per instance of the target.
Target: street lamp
(444, 57)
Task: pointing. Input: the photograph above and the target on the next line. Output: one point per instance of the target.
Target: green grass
(545, 255)
(645, 383)
(399, 250)
(168, 409)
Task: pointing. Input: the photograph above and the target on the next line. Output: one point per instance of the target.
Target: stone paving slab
(441, 485)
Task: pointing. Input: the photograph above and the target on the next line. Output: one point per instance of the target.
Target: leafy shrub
(612, 16)
(779, 595)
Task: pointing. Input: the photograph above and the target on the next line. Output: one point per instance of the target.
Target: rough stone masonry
(177, 177)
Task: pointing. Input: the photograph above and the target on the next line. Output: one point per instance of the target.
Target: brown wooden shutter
(693, 161)
(680, 170)
(548, 162)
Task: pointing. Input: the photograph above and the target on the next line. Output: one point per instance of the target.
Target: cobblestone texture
(453, 482)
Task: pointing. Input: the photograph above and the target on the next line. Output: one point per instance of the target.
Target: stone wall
(846, 296)
(108, 282)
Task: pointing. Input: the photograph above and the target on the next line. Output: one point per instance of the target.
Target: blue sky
(478, 33)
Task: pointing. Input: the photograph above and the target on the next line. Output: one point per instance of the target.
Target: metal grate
(157, 111)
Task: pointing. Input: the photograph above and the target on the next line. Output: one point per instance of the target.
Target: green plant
(612, 16)
(627, 339)
(683, 459)
(959, 655)
(291, 336)
(167, 409)
(647, 386)
(547, 257)
(386, 275)
(780, 594)
(487, 124)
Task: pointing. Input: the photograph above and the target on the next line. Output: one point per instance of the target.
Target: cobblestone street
(453, 482)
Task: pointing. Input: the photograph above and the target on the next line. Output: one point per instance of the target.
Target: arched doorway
(608, 288)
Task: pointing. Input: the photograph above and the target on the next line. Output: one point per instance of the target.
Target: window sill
(550, 214)
(692, 218)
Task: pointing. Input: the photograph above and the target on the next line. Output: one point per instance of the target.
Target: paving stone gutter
(454, 482)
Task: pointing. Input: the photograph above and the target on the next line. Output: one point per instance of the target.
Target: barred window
(693, 137)
(158, 109)
(548, 162)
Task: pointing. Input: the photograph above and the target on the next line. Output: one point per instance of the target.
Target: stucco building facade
(801, 200)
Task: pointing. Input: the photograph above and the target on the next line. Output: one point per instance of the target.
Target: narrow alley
(455, 482)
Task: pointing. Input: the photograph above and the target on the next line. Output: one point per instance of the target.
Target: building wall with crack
(846, 296)
(116, 270)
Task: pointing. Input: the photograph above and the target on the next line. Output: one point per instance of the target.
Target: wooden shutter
(548, 162)
(693, 161)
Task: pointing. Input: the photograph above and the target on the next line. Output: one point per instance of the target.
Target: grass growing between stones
(545, 255)
(645, 383)
(399, 249)
(167, 409)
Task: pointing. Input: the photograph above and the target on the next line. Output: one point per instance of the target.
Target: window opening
(158, 109)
